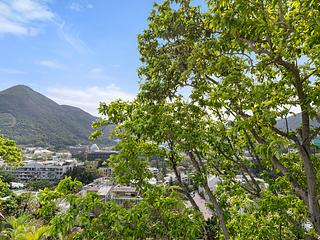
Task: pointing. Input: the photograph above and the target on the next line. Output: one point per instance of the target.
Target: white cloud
(53, 64)
(20, 17)
(98, 74)
(11, 71)
(7, 26)
(31, 10)
(79, 6)
(72, 38)
(88, 99)
(96, 71)
(27, 17)
(75, 7)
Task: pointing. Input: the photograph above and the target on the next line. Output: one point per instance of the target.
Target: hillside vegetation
(30, 118)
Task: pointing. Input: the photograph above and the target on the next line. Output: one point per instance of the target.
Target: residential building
(105, 171)
(108, 190)
(45, 170)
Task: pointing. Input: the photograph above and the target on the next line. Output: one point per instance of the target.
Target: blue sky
(77, 52)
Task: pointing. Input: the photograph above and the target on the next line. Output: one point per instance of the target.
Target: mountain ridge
(31, 118)
(294, 122)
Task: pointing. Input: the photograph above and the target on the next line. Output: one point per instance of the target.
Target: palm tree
(69, 236)
(34, 233)
(23, 228)
(15, 227)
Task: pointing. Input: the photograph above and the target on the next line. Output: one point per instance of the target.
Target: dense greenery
(160, 215)
(83, 174)
(6, 176)
(9, 151)
(37, 184)
(215, 81)
(23, 227)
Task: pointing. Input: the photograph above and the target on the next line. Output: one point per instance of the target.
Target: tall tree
(215, 80)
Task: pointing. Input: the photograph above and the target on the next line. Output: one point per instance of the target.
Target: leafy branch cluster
(214, 83)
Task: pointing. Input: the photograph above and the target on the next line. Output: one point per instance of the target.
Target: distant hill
(30, 118)
(295, 121)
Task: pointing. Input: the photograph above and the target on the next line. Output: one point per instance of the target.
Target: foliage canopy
(215, 80)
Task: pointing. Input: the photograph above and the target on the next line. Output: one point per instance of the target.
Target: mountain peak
(21, 86)
(31, 118)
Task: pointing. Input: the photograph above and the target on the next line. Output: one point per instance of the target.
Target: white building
(48, 170)
(108, 190)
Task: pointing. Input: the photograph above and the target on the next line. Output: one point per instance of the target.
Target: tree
(6, 176)
(37, 184)
(15, 227)
(9, 203)
(48, 199)
(241, 65)
(11, 155)
(23, 228)
(9, 151)
(85, 175)
(159, 215)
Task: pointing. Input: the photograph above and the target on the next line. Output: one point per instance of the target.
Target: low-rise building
(44, 170)
(125, 195)
(105, 171)
(79, 149)
(108, 190)
(101, 155)
(97, 154)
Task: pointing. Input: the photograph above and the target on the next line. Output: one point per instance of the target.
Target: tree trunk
(304, 149)
(313, 204)
(186, 190)
(218, 211)
(212, 198)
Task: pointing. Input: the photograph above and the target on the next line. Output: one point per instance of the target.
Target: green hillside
(30, 118)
